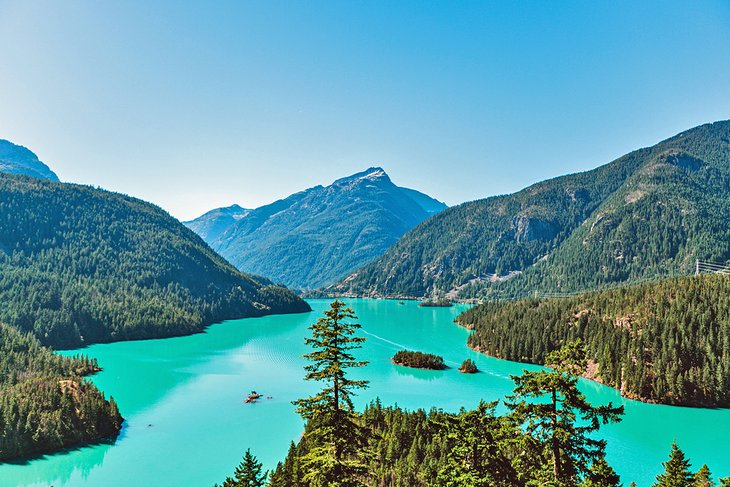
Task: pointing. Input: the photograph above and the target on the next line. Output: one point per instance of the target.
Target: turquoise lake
(186, 424)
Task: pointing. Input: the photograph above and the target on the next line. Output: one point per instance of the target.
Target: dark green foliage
(334, 437)
(666, 342)
(468, 367)
(601, 474)
(703, 478)
(419, 360)
(430, 448)
(45, 405)
(480, 449)
(553, 410)
(436, 303)
(318, 236)
(247, 474)
(676, 470)
(80, 265)
(649, 213)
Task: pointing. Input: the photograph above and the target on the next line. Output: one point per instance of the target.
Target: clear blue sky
(194, 105)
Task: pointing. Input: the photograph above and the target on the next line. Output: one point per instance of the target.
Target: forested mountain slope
(317, 236)
(666, 342)
(45, 405)
(649, 213)
(16, 159)
(80, 265)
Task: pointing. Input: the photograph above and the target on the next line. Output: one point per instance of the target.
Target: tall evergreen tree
(286, 474)
(247, 474)
(555, 412)
(676, 470)
(601, 474)
(335, 436)
(703, 477)
(477, 456)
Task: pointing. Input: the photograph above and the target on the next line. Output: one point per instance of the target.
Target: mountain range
(317, 236)
(648, 214)
(213, 223)
(16, 159)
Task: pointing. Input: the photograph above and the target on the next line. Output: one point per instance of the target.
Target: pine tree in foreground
(601, 474)
(478, 455)
(247, 474)
(335, 437)
(703, 477)
(676, 470)
(556, 413)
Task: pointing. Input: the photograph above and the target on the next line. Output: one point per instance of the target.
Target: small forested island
(436, 303)
(45, 404)
(468, 367)
(419, 360)
(665, 342)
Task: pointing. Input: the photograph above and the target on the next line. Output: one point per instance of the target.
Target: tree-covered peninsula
(665, 342)
(45, 404)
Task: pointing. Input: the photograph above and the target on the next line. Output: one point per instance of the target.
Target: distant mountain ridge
(319, 235)
(213, 223)
(16, 159)
(649, 213)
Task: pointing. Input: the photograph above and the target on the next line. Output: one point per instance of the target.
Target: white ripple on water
(399, 345)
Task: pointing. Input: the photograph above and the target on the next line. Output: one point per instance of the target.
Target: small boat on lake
(252, 397)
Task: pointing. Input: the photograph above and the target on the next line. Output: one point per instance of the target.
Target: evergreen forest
(45, 403)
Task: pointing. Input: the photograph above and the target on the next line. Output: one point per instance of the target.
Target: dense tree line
(419, 360)
(80, 265)
(431, 449)
(667, 341)
(45, 404)
(548, 438)
(649, 213)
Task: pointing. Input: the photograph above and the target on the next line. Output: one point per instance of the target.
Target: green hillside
(45, 405)
(80, 265)
(318, 236)
(649, 213)
(666, 342)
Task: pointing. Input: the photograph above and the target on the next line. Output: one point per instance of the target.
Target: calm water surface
(186, 424)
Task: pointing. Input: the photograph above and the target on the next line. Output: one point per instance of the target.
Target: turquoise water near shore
(186, 424)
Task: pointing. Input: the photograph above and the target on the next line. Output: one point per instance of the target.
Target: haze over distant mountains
(16, 159)
(211, 224)
(650, 213)
(317, 236)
